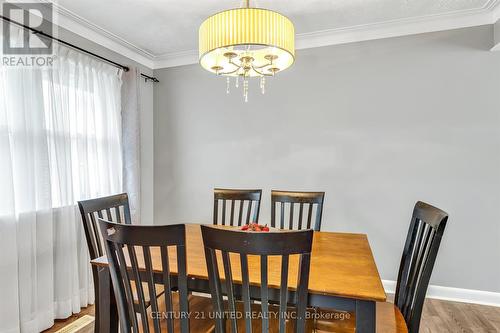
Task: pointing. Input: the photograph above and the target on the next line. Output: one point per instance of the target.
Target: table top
(342, 264)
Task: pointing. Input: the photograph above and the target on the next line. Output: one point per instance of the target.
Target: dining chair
(240, 247)
(311, 200)
(417, 262)
(113, 208)
(244, 201)
(129, 251)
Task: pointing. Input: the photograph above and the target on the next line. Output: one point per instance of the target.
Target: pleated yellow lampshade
(246, 42)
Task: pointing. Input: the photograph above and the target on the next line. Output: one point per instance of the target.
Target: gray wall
(378, 125)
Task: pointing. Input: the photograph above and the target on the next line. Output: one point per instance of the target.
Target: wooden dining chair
(243, 201)
(419, 255)
(129, 251)
(312, 201)
(417, 262)
(114, 208)
(239, 247)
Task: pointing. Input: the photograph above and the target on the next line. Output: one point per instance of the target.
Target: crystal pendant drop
(245, 89)
(227, 85)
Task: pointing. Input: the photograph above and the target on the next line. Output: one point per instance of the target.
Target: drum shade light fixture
(245, 43)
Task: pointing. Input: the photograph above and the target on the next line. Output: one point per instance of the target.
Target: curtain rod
(152, 78)
(39, 32)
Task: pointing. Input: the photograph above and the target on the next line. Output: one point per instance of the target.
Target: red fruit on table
(266, 228)
(245, 227)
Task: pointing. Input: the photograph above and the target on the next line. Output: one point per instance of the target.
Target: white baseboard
(454, 294)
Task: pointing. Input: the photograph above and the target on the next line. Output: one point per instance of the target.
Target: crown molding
(488, 14)
(68, 20)
(176, 59)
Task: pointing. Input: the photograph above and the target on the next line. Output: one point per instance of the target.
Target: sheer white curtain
(60, 141)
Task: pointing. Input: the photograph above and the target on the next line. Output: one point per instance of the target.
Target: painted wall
(378, 125)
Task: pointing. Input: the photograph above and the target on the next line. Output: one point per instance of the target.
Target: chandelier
(246, 43)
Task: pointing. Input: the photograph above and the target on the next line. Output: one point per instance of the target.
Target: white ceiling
(160, 28)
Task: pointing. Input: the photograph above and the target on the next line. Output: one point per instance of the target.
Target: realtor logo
(24, 26)
(21, 41)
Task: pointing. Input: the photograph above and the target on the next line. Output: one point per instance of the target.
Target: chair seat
(199, 320)
(389, 320)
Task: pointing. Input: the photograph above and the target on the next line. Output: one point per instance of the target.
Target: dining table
(343, 276)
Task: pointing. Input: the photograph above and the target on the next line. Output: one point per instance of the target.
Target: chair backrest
(242, 201)
(262, 244)
(112, 208)
(312, 200)
(128, 248)
(419, 254)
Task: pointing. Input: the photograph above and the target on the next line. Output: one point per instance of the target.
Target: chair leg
(106, 312)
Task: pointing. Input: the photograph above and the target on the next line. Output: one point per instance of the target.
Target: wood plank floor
(438, 317)
(60, 323)
(453, 317)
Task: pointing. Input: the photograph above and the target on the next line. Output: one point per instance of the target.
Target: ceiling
(160, 28)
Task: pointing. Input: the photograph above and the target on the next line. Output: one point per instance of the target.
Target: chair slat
(302, 286)
(223, 212)
(246, 293)
(232, 213)
(138, 286)
(165, 264)
(146, 250)
(249, 210)
(215, 288)
(282, 221)
(239, 197)
(309, 216)
(118, 215)
(95, 239)
(240, 213)
(283, 293)
(313, 199)
(110, 217)
(128, 297)
(182, 285)
(264, 293)
(216, 211)
(228, 275)
(301, 209)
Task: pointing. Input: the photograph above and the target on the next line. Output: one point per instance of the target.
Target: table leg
(365, 316)
(106, 313)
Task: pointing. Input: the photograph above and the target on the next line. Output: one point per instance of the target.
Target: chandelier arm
(232, 63)
(260, 73)
(229, 73)
(269, 64)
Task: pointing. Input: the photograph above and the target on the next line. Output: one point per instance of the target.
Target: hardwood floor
(453, 317)
(438, 317)
(60, 323)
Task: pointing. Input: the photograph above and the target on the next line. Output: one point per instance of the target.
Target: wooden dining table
(343, 276)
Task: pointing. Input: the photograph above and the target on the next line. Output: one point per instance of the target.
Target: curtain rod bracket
(149, 78)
